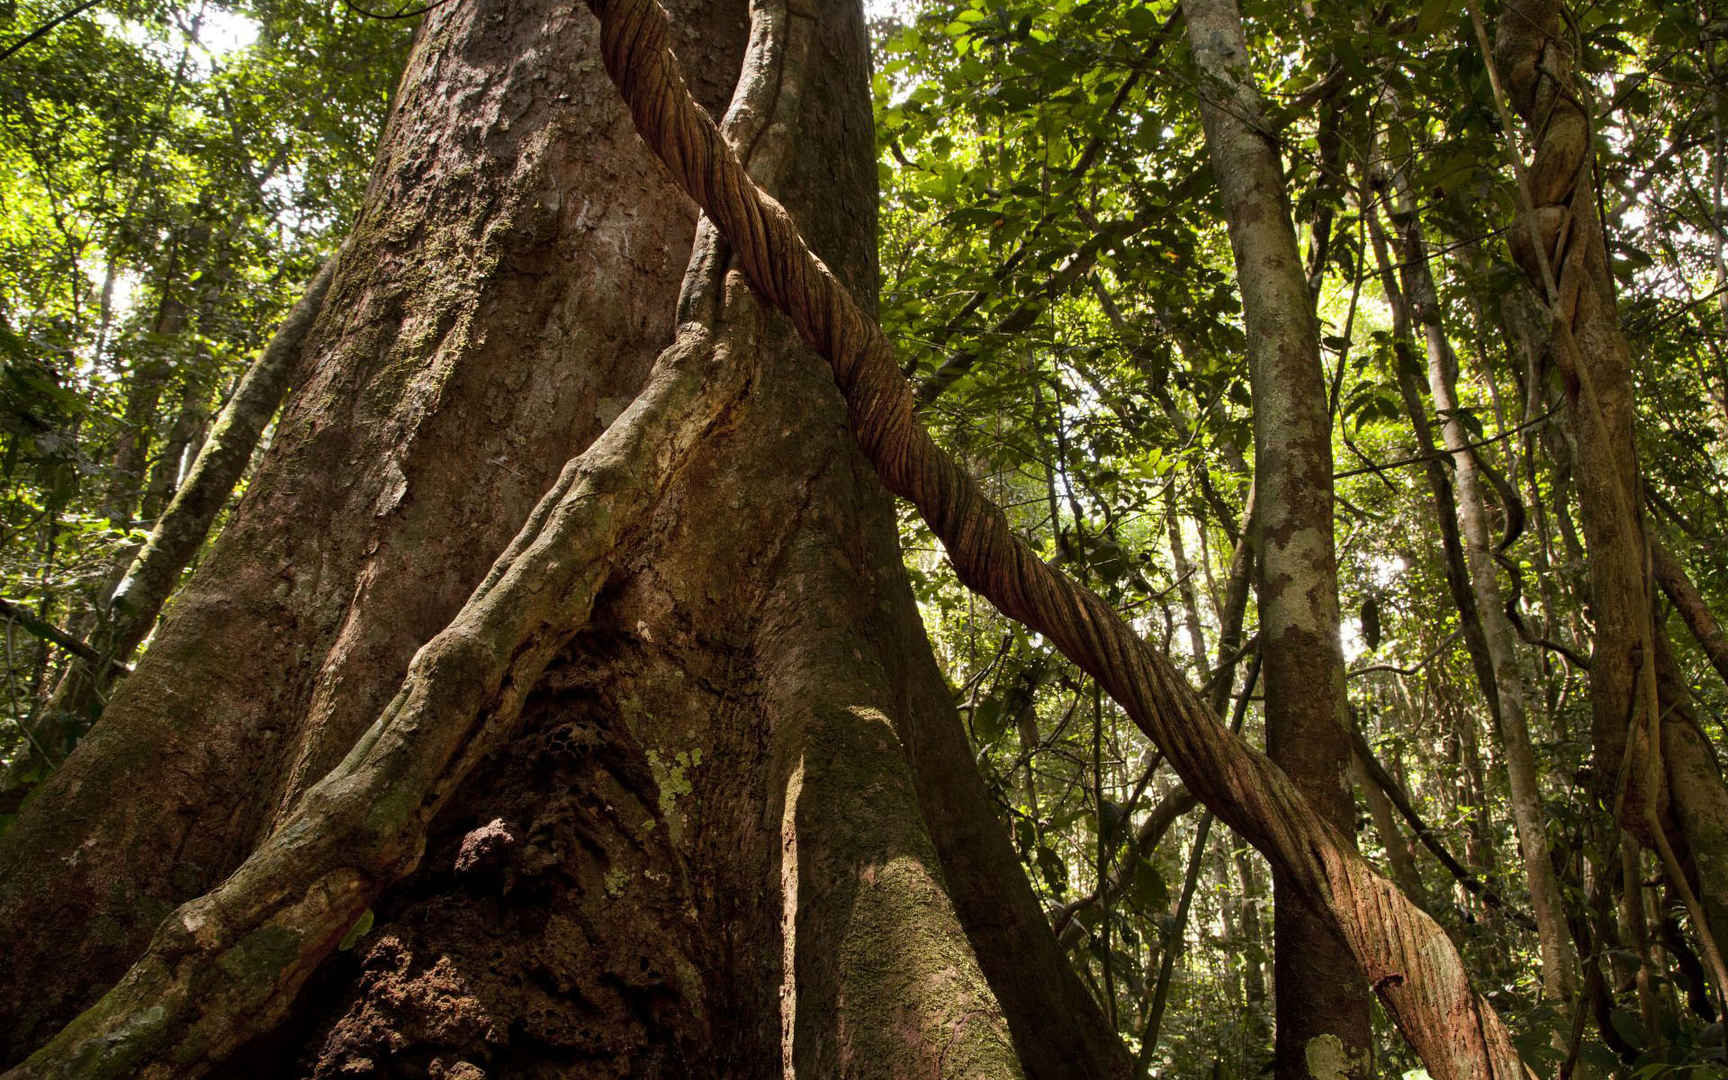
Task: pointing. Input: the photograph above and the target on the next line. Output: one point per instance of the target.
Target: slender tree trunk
(141, 587)
(1699, 619)
(1399, 858)
(1323, 1012)
(1258, 1037)
(1507, 693)
(191, 416)
(184, 437)
(1185, 588)
(149, 374)
(1479, 848)
(1455, 561)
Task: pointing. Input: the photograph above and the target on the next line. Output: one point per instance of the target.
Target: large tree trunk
(1321, 1000)
(702, 848)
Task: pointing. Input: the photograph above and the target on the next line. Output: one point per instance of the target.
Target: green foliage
(1101, 407)
(171, 173)
(170, 176)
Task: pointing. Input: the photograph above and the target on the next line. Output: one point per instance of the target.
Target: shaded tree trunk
(1322, 1003)
(181, 443)
(1700, 620)
(1504, 686)
(149, 374)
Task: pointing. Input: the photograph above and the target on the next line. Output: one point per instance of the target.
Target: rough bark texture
(452, 373)
(1322, 1003)
(1537, 68)
(699, 850)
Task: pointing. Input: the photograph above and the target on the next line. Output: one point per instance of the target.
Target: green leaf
(1147, 892)
(1434, 13)
(1628, 1026)
(989, 720)
(1054, 870)
(357, 931)
(1451, 171)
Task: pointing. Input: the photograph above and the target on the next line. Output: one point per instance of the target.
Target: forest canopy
(1369, 361)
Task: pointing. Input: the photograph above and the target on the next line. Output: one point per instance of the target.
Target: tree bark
(1408, 960)
(450, 375)
(1322, 1004)
(1255, 1033)
(1699, 619)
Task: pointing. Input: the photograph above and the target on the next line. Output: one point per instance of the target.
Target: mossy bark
(451, 375)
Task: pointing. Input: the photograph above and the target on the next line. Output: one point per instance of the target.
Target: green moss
(261, 955)
(1327, 1059)
(115, 1055)
(672, 778)
(394, 808)
(911, 985)
(616, 880)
